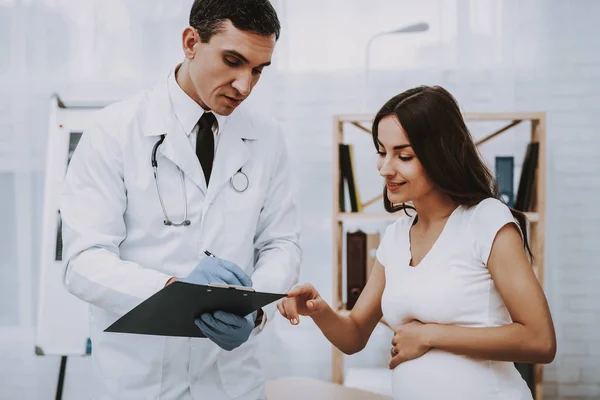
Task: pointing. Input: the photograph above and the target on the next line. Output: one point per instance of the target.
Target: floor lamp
(419, 27)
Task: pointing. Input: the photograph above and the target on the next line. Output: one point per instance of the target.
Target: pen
(208, 253)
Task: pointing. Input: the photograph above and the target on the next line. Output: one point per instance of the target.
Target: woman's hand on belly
(410, 341)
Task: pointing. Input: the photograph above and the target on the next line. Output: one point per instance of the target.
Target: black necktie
(205, 143)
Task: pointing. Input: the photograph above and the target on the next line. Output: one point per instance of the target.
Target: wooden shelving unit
(536, 218)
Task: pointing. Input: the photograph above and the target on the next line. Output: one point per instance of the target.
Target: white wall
(493, 55)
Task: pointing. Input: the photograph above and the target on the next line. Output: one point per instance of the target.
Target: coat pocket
(240, 370)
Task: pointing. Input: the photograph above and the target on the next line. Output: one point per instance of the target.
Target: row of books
(504, 170)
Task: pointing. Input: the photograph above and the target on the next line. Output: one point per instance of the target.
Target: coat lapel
(178, 149)
(176, 146)
(232, 153)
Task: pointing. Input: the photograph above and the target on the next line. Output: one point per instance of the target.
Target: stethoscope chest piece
(240, 181)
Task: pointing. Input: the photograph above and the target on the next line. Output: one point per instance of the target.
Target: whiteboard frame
(62, 326)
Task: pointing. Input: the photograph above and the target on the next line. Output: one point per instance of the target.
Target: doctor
(161, 177)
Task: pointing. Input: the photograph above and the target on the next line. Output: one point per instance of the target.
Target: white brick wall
(573, 81)
(550, 62)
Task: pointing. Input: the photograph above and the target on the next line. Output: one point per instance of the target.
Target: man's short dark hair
(256, 16)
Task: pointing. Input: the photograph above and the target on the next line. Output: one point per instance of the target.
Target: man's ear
(189, 38)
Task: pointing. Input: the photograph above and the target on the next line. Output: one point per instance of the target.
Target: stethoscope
(239, 182)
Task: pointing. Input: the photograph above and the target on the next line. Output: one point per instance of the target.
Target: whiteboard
(62, 319)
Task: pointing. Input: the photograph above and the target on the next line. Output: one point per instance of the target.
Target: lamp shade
(419, 27)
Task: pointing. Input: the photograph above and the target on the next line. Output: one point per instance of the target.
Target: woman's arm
(529, 338)
(349, 333)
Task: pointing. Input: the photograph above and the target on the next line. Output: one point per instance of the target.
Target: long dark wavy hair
(437, 132)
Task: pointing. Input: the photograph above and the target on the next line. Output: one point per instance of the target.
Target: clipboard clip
(235, 287)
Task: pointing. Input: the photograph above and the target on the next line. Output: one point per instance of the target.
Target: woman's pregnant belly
(442, 375)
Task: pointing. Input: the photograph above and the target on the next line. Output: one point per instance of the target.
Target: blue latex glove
(226, 330)
(217, 270)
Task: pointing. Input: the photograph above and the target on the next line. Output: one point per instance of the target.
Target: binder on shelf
(526, 192)
(356, 266)
(347, 176)
(505, 179)
(342, 181)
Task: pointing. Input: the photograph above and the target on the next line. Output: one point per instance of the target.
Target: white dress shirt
(188, 112)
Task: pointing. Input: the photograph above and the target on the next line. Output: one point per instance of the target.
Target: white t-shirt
(451, 285)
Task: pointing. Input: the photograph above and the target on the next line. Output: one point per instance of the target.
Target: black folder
(525, 194)
(347, 175)
(172, 310)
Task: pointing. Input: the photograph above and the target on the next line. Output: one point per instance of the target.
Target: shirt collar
(187, 111)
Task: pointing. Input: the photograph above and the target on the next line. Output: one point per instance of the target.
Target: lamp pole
(418, 27)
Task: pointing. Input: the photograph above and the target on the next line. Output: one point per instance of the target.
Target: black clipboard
(172, 310)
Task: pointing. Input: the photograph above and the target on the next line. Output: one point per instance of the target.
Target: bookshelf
(536, 217)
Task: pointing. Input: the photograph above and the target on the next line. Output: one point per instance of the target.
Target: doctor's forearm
(342, 331)
(277, 270)
(513, 342)
(277, 238)
(278, 267)
(101, 278)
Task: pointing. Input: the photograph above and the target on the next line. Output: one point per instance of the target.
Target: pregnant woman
(453, 278)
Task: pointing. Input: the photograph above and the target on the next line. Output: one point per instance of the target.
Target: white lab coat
(118, 252)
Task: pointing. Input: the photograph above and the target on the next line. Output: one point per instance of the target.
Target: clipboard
(172, 310)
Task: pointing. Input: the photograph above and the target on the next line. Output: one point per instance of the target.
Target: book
(347, 175)
(505, 179)
(356, 266)
(526, 192)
